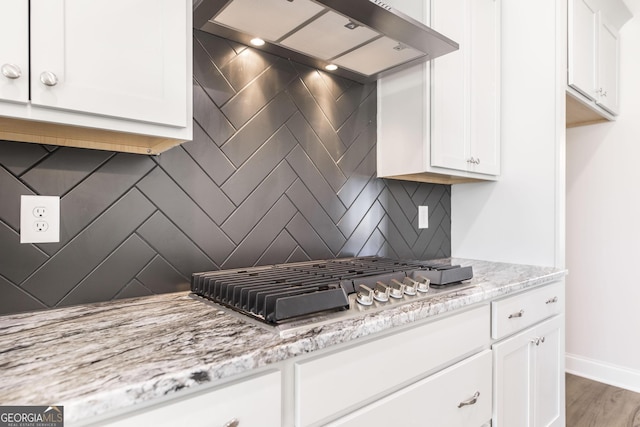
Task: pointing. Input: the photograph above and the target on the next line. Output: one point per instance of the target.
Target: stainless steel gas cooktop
(307, 292)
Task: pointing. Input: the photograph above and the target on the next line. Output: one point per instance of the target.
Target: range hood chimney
(361, 40)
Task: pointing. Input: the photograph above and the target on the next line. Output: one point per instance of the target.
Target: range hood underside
(365, 39)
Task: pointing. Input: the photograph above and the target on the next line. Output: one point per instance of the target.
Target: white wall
(520, 218)
(603, 234)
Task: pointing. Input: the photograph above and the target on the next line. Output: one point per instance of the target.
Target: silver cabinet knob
(48, 78)
(364, 295)
(232, 423)
(518, 314)
(11, 71)
(473, 161)
(470, 401)
(538, 340)
(552, 300)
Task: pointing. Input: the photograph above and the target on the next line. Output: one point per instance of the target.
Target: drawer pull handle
(518, 314)
(232, 423)
(552, 300)
(538, 340)
(470, 401)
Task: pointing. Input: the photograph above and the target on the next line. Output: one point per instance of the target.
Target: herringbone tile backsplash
(281, 168)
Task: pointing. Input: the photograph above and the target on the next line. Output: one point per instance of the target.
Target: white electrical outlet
(423, 216)
(39, 219)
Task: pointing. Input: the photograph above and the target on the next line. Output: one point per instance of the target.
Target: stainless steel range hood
(364, 39)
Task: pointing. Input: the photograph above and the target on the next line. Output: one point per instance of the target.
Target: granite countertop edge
(134, 351)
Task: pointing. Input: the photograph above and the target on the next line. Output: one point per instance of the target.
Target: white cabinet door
(14, 50)
(608, 66)
(527, 377)
(582, 47)
(548, 375)
(465, 120)
(106, 62)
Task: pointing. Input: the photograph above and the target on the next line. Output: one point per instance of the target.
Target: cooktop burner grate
(281, 292)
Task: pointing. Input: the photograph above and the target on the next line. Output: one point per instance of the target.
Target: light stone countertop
(109, 356)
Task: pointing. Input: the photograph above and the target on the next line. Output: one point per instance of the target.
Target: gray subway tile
(363, 231)
(63, 170)
(113, 274)
(207, 154)
(298, 255)
(315, 215)
(209, 76)
(186, 215)
(17, 260)
(279, 251)
(10, 191)
(360, 207)
(360, 118)
(63, 271)
(308, 239)
(248, 252)
(191, 178)
(356, 182)
(358, 151)
(254, 171)
(258, 130)
(246, 66)
(174, 246)
(398, 217)
(218, 49)
(399, 192)
(207, 114)
(82, 205)
(15, 300)
(160, 277)
(316, 183)
(17, 157)
(316, 151)
(133, 289)
(373, 244)
(249, 213)
(394, 238)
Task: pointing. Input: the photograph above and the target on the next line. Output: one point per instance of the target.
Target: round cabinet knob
(232, 423)
(11, 71)
(48, 78)
(381, 292)
(364, 295)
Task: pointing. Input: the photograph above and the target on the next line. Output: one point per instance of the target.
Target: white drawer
(255, 402)
(515, 313)
(327, 385)
(435, 401)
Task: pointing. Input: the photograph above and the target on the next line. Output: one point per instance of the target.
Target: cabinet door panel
(582, 47)
(14, 49)
(450, 88)
(107, 63)
(485, 86)
(512, 381)
(547, 375)
(608, 60)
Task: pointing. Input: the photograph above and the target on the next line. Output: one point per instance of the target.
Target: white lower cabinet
(528, 377)
(254, 402)
(459, 396)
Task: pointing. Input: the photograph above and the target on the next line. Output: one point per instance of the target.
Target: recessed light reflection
(331, 67)
(257, 42)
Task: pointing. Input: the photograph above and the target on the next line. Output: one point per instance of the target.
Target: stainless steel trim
(373, 14)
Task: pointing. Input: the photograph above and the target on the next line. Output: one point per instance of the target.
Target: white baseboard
(618, 376)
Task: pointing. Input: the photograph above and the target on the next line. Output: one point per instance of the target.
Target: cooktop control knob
(364, 295)
(423, 284)
(410, 286)
(396, 289)
(381, 292)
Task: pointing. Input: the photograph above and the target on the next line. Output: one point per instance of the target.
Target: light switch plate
(39, 219)
(423, 216)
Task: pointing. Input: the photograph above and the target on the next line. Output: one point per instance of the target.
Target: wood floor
(593, 404)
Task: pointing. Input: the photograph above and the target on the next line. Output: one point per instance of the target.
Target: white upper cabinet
(14, 51)
(594, 60)
(608, 93)
(117, 58)
(107, 74)
(440, 122)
